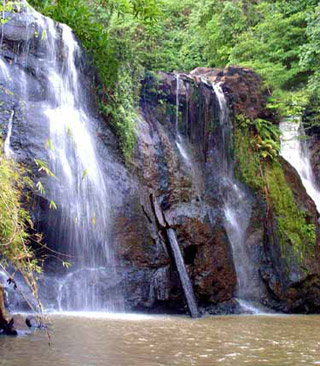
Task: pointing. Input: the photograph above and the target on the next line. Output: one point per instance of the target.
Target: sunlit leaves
(53, 205)
(48, 144)
(66, 264)
(40, 188)
(15, 249)
(42, 167)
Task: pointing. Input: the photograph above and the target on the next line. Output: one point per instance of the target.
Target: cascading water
(180, 264)
(237, 208)
(7, 148)
(80, 226)
(179, 140)
(294, 148)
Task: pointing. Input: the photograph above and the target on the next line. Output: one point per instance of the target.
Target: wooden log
(6, 326)
(3, 318)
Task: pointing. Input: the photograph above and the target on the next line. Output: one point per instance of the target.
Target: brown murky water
(169, 341)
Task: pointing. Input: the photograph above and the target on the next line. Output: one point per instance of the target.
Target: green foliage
(43, 167)
(120, 107)
(263, 136)
(278, 39)
(93, 35)
(15, 249)
(292, 226)
(90, 22)
(7, 7)
(248, 166)
(257, 165)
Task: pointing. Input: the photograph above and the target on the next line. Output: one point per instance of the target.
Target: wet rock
(243, 87)
(291, 283)
(20, 323)
(231, 307)
(35, 322)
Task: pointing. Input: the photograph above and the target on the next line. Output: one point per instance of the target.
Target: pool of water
(130, 340)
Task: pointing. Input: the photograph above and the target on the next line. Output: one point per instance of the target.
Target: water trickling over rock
(295, 149)
(7, 148)
(63, 123)
(237, 208)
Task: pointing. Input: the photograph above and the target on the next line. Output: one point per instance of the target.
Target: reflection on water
(168, 341)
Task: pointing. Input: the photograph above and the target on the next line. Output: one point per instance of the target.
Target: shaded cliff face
(285, 282)
(176, 180)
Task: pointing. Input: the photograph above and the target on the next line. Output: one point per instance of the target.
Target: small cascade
(80, 226)
(294, 148)
(237, 212)
(184, 277)
(183, 274)
(237, 208)
(225, 127)
(254, 308)
(179, 140)
(7, 148)
(4, 70)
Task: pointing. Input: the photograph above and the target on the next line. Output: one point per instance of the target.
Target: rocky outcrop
(286, 283)
(314, 144)
(292, 283)
(243, 87)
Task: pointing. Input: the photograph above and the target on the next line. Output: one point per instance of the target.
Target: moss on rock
(266, 177)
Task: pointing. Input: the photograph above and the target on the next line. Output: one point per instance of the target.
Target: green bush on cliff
(248, 166)
(117, 74)
(291, 221)
(120, 106)
(264, 174)
(278, 39)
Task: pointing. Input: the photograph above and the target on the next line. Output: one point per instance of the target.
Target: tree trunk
(5, 326)
(3, 319)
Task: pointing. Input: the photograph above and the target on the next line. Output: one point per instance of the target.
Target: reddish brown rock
(243, 87)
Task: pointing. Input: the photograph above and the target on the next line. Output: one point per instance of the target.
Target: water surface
(167, 341)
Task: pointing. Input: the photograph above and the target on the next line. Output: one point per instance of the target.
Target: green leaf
(49, 144)
(66, 264)
(43, 167)
(84, 174)
(44, 35)
(53, 205)
(40, 188)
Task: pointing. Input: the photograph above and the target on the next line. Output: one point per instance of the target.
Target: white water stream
(179, 140)
(7, 143)
(81, 223)
(294, 148)
(237, 210)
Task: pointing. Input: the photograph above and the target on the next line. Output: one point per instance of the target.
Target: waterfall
(178, 258)
(81, 224)
(237, 208)
(183, 274)
(294, 149)
(179, 140)
(7, 148)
